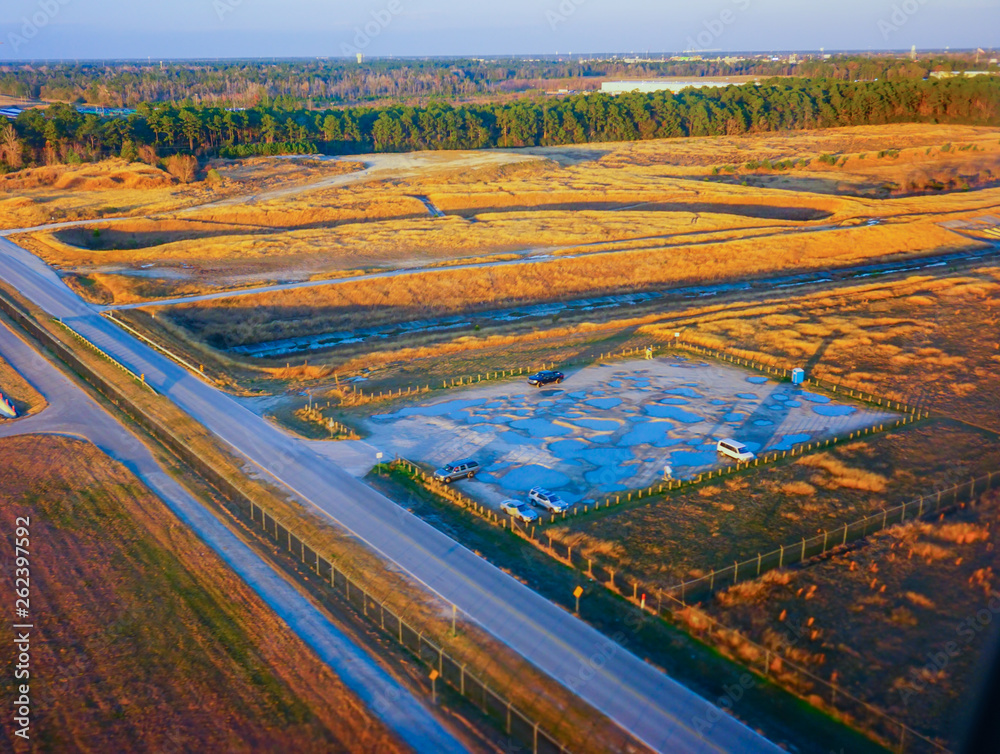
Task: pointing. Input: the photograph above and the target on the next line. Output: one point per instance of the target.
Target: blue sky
(38, 29)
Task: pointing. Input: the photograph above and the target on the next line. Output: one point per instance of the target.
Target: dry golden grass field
(144, 640)
(898, 623)
(672, 207)
(60, 193)
(931, 339)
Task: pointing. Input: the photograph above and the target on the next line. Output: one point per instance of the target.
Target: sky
(166, 29)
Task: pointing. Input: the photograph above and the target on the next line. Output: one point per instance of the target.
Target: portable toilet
(798, 376)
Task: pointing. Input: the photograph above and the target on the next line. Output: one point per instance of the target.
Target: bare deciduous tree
(10, 147)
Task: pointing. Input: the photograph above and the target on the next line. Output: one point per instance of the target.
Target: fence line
(456, 674)
(665, 603)
(626, 497)
(820, 544)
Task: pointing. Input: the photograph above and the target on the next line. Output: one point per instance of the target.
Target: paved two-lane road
(639, 698)
(72, 412)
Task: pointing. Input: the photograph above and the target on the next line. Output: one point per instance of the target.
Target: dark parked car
(546, 378)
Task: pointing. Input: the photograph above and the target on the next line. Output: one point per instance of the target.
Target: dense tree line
(322, 83)
(60, 133)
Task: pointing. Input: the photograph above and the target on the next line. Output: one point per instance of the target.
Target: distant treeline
(320, 83)
(59, 133)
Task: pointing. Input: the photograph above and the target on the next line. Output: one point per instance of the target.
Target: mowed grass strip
(144, 640)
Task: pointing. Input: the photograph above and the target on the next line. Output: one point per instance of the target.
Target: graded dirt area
(143, 639)
(612, 427)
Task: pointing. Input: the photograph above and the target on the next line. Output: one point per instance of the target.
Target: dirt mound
(110, 174)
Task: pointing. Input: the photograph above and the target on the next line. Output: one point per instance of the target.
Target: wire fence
(516, 724)
(675, 605)
(797, 552)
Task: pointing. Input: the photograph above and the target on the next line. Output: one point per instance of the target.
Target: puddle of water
(648, 433)
(514, 438)
(524, 478)
(787, 441)
(779, 397)
(540, 428)
(676, 402)
(757, 380)
(685, 391)
(608, 477)
(671, 412)
(735, 417)
(746, 396)
(834, 410)
(604, 403)
(714, 402)
(567, 448)
(814, 397)
(606, 456)
(793, 404)
(763, 423)
(692, 458)
(599, 425)
(448, 408)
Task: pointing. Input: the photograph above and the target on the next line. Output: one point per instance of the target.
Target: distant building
(11, 112)
(966, 74)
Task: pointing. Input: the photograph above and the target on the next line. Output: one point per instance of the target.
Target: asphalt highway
(72, 412)
(659, 711)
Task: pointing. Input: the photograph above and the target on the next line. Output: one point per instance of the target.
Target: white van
(735, 450)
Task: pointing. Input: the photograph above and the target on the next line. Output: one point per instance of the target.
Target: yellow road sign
(434, 675)
(577, 592)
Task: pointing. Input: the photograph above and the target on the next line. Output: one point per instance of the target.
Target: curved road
(641, 699)
(72, 412)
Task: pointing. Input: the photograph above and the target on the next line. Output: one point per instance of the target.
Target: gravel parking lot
(612, 427)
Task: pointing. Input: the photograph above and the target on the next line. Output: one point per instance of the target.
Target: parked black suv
(546, 378)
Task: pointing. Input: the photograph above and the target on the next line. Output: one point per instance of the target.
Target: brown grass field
(930, 338)
(143, 638)
(898, 622)
(59, 193)
(653, 202)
